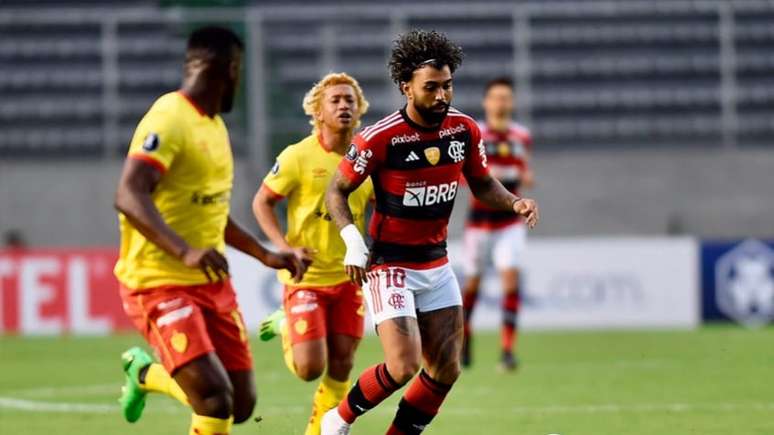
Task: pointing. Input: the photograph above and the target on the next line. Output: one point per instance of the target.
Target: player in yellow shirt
(173, 198)
(321, 322)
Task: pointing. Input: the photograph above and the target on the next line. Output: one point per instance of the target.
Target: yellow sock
(287, 348)
(158, 380)
(202, 425)
(328, 395)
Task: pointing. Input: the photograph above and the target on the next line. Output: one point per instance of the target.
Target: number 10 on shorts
(387, 296)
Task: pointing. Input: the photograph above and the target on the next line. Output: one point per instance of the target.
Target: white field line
(36, 406)
(102, 408)
(81, 390)
(98, 408)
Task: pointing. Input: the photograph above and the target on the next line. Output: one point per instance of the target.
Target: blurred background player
(173, 198)
(13, 241)
(321, 321)
(415, 157)
(494, 235)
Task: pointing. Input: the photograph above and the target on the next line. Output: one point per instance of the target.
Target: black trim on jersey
(416, 126)
(392, 205)
(383, 253)
(397, 155)
(491, 215)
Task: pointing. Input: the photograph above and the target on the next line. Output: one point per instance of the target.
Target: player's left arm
(491, 192)
(242, 240)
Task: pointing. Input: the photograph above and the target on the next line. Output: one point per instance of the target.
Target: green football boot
(132, 394)
(271, 326)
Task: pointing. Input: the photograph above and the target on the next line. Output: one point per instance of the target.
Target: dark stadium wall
(715, 195)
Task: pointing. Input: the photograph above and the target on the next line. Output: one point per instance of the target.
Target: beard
(431, 116)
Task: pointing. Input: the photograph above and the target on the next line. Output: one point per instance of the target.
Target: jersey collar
(322, 144)
(416, 126)
(192, 103)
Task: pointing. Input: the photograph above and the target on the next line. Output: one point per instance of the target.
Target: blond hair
(313, 99)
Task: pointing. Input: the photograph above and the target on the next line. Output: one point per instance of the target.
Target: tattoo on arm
(491, 192)
(336, 199)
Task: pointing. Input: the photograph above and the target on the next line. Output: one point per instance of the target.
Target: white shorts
(394, 291)
(504, 247)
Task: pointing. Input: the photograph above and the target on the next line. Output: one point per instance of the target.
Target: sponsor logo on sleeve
(275, 169)
(351, 154)
(362, 161)
(151, 142)
(482, 152)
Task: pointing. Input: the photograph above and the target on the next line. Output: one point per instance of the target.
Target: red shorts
(182, 323)
(314, 312)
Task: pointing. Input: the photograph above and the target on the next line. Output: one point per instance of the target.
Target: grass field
(718, 380)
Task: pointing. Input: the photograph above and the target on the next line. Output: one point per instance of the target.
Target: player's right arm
(283, 178)
(133, 198)
(361, 159)
(156, 144)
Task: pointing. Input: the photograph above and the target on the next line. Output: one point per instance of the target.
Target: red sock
(510, 318)
(419, 405)
(373, 386)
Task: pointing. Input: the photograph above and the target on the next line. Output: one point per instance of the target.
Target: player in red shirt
(494, 235)
(415, 157)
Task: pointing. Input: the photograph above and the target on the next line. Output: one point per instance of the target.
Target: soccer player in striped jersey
(493, 235)
(415, 157)
(321, 322)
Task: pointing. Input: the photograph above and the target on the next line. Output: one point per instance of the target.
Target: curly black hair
(417, 48)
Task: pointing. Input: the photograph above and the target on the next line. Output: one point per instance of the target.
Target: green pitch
(718, 380)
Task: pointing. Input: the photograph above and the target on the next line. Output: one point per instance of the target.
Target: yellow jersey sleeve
(369, 188)
(285, 175)
(157, 140)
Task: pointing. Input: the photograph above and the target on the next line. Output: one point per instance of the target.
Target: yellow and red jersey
(193, 152)
(302, 173)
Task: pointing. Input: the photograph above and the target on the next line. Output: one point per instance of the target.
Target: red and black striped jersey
(415, 172)
(507, 154)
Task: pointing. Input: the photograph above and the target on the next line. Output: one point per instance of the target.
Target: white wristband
(357, 251)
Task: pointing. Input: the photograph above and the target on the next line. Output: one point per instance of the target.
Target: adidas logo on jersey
(412, 157)
(429, 195)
